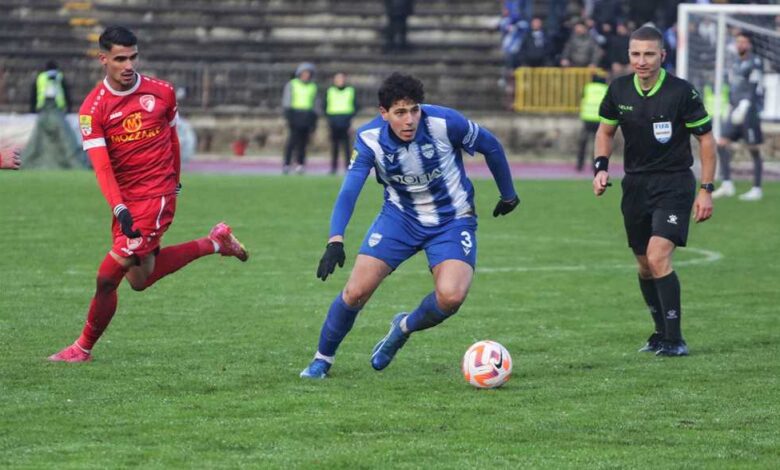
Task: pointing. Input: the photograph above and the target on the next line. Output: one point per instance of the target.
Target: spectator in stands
(617, 51)
(670, 43)
(592, 95)
(596, 33)
(299, 103)
(398, 11)
(581, 50)
(606, 11)
(50, 89)
(556, 15)
(340, 106)
(559, 36)
(53, 143)
(10, 160)
(536, 48)
(642, 11)
(666, 13)
(513, 26)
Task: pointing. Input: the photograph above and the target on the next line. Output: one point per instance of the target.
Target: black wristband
(600, 164)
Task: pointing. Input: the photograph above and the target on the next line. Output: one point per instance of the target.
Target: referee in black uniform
(657, 113)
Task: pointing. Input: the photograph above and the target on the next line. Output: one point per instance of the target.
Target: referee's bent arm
(605, 135)
(702, 206)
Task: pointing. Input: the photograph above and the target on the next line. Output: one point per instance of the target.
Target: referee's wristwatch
(709, 187)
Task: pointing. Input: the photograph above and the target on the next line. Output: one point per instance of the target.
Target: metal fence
(551, 89)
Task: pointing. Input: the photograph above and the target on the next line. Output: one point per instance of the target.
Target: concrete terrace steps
(18, 58)
(160, 35)
(248, 30)
(236, 55)
(244, 21)
(424, 8)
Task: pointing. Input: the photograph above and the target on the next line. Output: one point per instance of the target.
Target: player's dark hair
(400, 87)
(746, 35)
(117, 35)
(648, 33)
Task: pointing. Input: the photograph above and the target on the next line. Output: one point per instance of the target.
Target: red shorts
(152, 217)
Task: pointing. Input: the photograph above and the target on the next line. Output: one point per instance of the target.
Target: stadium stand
(235, 56)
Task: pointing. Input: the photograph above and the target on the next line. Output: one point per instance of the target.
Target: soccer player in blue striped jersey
(416, 151)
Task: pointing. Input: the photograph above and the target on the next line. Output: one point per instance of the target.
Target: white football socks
(328, 359)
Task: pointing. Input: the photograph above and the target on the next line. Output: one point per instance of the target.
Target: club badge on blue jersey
(374, 239)
(427, 150)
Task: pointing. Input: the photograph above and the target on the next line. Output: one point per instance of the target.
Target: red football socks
(103, 305)
(110, 274)
(172, 258)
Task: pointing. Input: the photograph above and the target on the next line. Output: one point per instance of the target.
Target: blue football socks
(427, 315)
(337, 324)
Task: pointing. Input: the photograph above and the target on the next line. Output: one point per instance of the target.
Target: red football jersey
(135, 125)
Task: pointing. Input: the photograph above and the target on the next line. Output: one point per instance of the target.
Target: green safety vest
(341, 101)
(303, 95)
(709, 100)
(592, 95)
(51, 89)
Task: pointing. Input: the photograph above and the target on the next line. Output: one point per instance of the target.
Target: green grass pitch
(201, 370)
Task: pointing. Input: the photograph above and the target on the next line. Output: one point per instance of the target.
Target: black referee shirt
(657, 124)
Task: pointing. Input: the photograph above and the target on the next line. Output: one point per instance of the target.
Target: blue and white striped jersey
(424, 179)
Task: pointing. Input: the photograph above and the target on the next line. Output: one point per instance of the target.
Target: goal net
(706, 51)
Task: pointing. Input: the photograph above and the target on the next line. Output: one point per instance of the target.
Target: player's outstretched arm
(10, 160)
(495, 157)
(342, 212)
(605, 136)
(702, 206)
(110, 189)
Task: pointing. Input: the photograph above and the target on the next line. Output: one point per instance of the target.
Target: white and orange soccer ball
(487, 364)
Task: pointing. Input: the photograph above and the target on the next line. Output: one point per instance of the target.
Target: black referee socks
(668, 288)
(650, 293)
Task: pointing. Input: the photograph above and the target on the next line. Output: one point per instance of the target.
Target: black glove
(126, 222)
(178, 189)
(505, 207)
(334, 254)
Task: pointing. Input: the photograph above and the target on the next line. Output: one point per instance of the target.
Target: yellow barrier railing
(551, 89)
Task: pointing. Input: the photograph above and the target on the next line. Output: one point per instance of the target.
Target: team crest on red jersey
(133, 244)
(147, 102)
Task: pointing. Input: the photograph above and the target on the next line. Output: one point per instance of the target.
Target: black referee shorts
(657, 204)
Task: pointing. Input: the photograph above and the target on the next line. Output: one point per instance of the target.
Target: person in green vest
(50, 90)
(592, 95)
(340, 106)
(53, 143)
(299, 101)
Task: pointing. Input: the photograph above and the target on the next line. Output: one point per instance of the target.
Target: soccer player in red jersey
(129, 127)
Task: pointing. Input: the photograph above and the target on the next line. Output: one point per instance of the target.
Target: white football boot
(726, 189)
(755, 194)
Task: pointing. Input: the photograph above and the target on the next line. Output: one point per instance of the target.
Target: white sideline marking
(708, 256)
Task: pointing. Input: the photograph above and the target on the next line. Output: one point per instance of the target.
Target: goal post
(704, 37)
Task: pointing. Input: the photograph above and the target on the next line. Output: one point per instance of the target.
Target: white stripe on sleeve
(94, 143)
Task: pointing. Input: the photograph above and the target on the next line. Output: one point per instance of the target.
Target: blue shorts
(394, 240)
